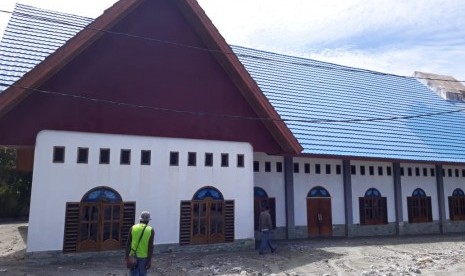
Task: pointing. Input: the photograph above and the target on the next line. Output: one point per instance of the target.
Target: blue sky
(392, 36)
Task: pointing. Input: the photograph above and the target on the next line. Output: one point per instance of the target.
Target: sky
(390, 36)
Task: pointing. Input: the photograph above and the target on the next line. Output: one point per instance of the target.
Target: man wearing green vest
(140, 243)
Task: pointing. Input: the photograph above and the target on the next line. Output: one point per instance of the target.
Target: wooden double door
(207, 221)
(100, 226)
(319, 218)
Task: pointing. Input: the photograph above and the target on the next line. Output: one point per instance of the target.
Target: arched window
(207, 218)
(208, 192)
(259, 192)
(261, 200)
(418, 193)
(100, 221)
(457, 205)
(318, 191)
(419, 207)
(102, 194)
(373, 208)
(458, 192)
(372, 192)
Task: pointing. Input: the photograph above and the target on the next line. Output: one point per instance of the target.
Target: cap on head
(145, 216)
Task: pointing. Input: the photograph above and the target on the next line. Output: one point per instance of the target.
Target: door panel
(319, 218)
(207, 222)
(100, 226)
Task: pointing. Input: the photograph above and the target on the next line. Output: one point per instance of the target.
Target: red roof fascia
(239, 75)
(56, 61)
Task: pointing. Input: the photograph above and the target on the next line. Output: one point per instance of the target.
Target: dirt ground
(413, 255)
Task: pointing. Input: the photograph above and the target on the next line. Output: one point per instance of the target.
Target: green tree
(15, 186)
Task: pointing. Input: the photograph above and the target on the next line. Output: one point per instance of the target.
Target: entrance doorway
(319, 218)
(207, 217)
(100, 220)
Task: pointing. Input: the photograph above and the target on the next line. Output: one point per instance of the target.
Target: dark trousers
(140, 269)
(265, 241)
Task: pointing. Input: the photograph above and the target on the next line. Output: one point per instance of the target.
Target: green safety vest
(143, 249)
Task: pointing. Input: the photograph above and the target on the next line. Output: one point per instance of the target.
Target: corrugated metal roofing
(306, 93)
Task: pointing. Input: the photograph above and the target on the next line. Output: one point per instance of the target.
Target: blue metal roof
(31, 35)
(306, 93)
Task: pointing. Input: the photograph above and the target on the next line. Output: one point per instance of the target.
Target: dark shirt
(265, 221)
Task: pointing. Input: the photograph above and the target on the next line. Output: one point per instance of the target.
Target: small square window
(296, 167)
(306, 168)
(83, 155)
(224, 160)
(145, 157)
(174, 158)
(58, 154)
(267, 166)
(449, 172)
(240, 161)
(371, 169)
(389, 171)
(328, 169)
(279, 167)
(380, 170)
(353, 169)
(338, 169)
(425, 171)
(256, 166)
(362, 170)
(417, 171)
(208, 159)
(431, 171)
(191, 159)
(317, 168)
(125, 157)
(463, 172)
(409, 171)
(402, 173)
(456, 172)
(104, 156)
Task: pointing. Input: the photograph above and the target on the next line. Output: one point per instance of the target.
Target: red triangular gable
(124, 83)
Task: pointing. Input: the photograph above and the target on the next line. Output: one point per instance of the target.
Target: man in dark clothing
(265, 226)
(140, 243)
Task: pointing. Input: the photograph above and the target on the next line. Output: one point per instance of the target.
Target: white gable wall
(158, 188)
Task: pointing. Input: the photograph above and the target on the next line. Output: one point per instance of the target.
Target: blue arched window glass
(372, 192)
(208, 192)
(318, 192)
(458, 192)
(419, 193)
(259, 192)
(102, 194)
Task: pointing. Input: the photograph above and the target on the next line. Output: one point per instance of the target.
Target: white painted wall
(157, 188)
(451, 183)
(383, 183)
(273, 183)
(427, 183)
(304, 182)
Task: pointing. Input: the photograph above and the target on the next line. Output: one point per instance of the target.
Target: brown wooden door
(207, 221)
(319, 218)
(100, 226)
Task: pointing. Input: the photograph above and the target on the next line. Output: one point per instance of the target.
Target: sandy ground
(413, 255)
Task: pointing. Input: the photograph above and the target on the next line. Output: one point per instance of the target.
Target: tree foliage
(15, 186)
